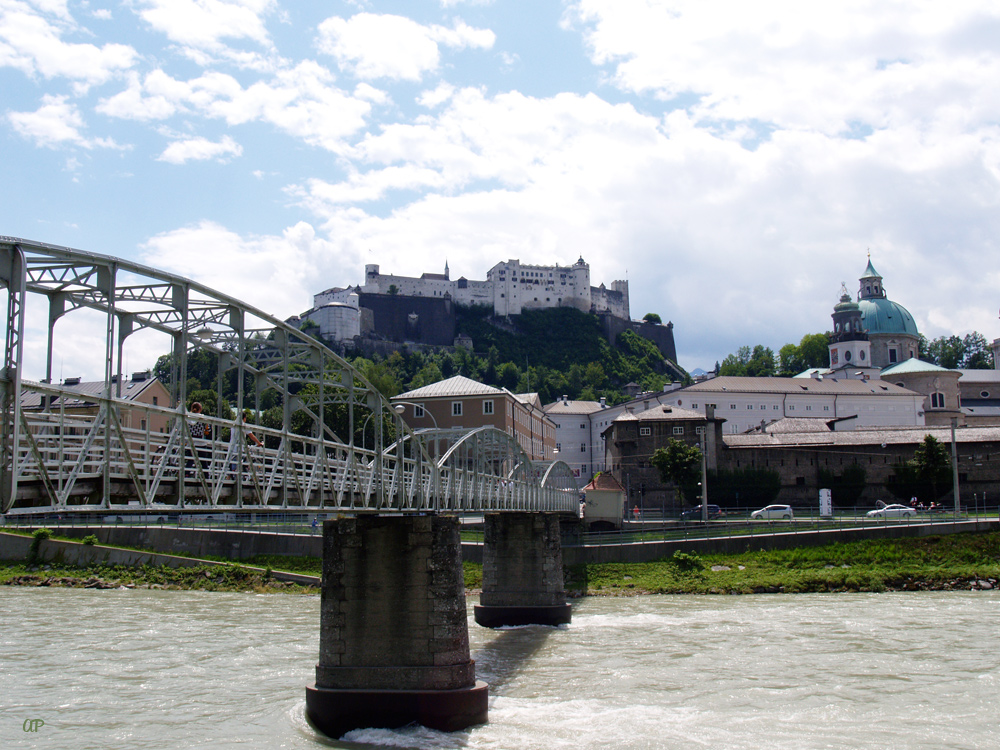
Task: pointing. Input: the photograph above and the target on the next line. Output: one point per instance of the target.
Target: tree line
(969, 352)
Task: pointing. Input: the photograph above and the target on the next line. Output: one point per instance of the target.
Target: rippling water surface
(171, 669)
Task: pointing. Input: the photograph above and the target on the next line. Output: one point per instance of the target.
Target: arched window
(937, 400)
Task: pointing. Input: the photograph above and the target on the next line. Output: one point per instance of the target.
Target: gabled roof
(459, 385)
(529, 399)
(828, 385)
(668, 413)
(793, 424)
(571, 407)
(604, 481)
(88, 392)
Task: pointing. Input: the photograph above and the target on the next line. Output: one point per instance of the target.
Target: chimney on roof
(709, 412)
(138, 377)
(565, 398)
(71, 381)
(763, 427)
(604, 403)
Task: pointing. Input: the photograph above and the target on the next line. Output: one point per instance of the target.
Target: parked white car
(774, 511)
(892, 511)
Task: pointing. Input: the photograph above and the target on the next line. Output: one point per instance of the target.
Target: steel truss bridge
(63, 451)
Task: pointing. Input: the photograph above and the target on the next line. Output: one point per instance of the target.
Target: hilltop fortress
(406, 309)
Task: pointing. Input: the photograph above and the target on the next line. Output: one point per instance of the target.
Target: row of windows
(583, 447)
(677, 430)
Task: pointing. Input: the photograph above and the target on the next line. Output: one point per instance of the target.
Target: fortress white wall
(510, 288)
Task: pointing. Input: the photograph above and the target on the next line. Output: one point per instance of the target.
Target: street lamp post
(954, 467)
(704, 479)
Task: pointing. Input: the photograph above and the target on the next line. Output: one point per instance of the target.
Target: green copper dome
(881, 315)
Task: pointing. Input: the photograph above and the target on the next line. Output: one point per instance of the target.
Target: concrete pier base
(522, 571)
(394, 643)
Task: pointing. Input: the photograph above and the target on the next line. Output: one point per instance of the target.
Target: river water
(176, 669)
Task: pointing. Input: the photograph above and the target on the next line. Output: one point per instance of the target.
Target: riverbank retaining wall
(241, 544)
(649, 551)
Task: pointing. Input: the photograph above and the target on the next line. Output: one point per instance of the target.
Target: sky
(735, 162)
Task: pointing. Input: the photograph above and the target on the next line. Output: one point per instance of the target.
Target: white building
(510, 287)
(576, 442)
(747, 402)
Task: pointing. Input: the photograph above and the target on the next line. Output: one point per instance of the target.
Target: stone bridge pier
(394, 640)
(522, 571)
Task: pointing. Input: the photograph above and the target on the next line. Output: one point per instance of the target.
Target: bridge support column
(522, 571)
(394, 639)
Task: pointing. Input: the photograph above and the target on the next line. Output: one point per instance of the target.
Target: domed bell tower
(850, 350)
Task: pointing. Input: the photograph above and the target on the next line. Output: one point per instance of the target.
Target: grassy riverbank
(202, 577)
(953, 562)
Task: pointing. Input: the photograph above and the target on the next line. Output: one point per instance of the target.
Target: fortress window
(937, 400)
(456, 408)
(679, 430)
(488, 406)
(418, 411)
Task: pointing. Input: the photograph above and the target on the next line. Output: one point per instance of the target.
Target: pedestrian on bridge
(199, 431)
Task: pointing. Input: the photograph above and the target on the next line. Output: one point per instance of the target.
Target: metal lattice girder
(70, 452)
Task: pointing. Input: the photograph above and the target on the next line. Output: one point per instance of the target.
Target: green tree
(932, 463)
(429, 373)
(680, 464)
(762, 362)
(926, 476)
(653, 318)
(946, 351)
(978, 354)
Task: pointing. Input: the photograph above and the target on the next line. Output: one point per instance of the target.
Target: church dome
(881, 315)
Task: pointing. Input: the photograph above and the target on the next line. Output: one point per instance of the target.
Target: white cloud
(56, 123)
(34, 45)
(803, 66)
(157, 98)
(200, 149)
(302, 101)
(275, 274)
(203, 24)
(386, 46)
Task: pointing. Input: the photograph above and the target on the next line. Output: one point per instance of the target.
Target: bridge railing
(67, 454)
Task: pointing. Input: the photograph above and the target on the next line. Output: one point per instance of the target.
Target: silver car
(774, 511)
(892, 511)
